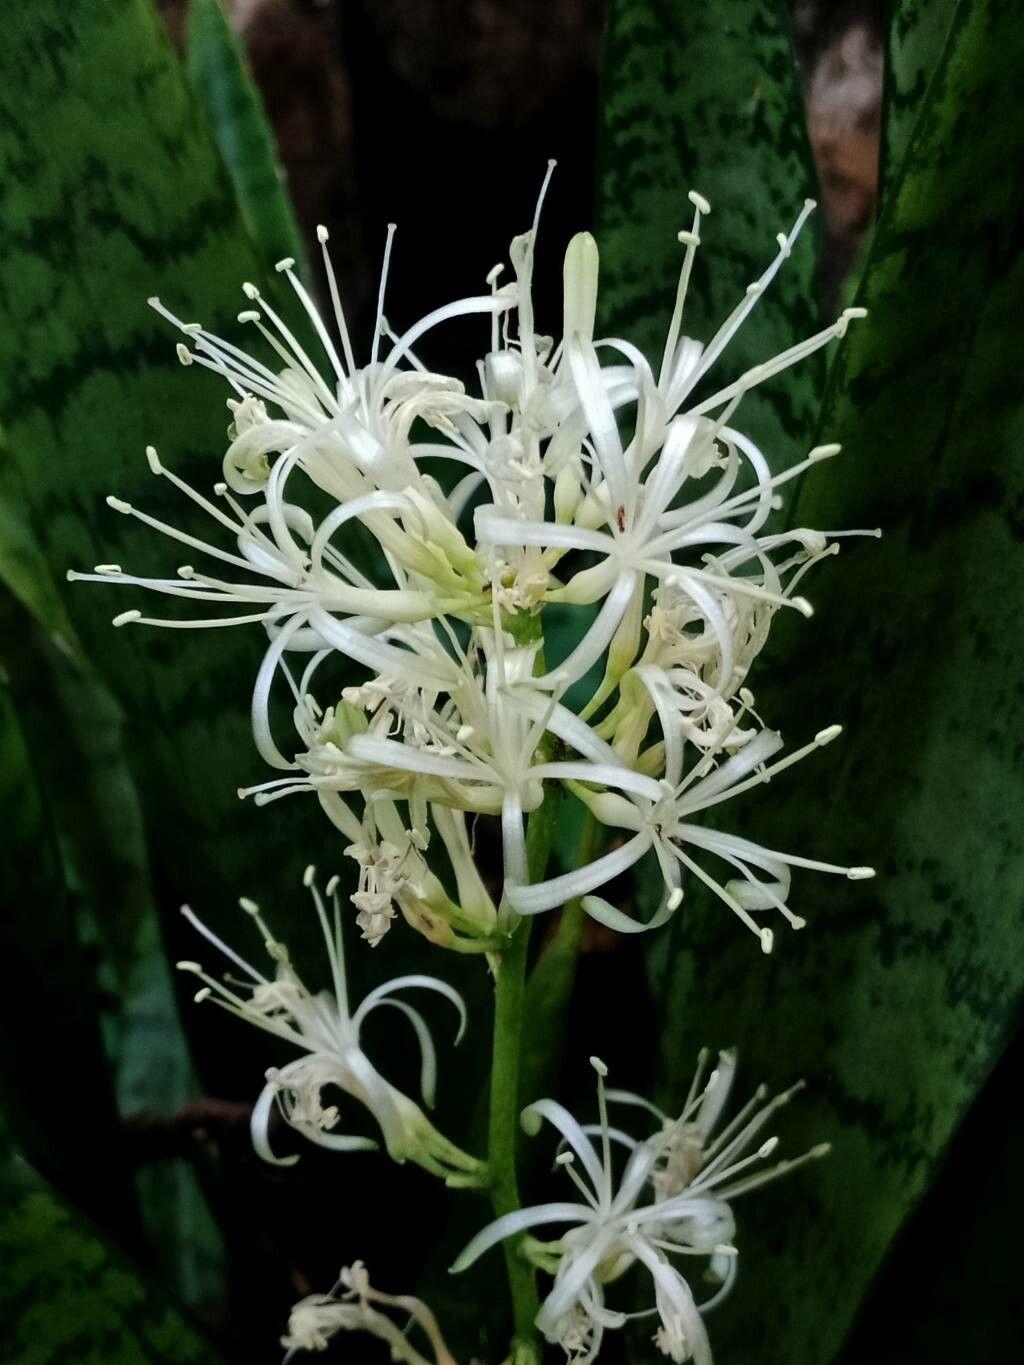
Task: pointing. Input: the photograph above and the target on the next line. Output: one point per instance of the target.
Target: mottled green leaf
(917, 32)
(111, 189)
(23, 566)
(53, 1068)
(898, 997)
(220, 77)
(66, 1294)
(94, 807)
(706, 97)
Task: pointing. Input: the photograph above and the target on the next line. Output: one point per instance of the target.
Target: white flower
(328, 1031)
(579, 479)
(666, 826)
(353, 1305)
(671, 1199)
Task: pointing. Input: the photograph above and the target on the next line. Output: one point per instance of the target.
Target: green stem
(504, 1130)
(506, 1088)
(550, 985)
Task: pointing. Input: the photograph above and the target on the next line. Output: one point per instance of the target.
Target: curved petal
(259, 1128)
(392, 753)
(559, 1117)
(598, 637)
(605, 913)
(531, 900)
(413, 980)
(428, 1053)
(512, 1223)
(576, 1269)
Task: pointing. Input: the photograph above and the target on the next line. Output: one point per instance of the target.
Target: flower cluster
(575, 480)
(672, 1201)
(327, 1030)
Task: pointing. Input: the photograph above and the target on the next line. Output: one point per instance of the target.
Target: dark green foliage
(94, 223)
(67, 1294)
(899, 996)
(917, 33)
(706, 97)
(217, 70)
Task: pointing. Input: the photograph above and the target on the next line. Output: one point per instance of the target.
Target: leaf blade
(707, 97)
(897, 1000)
(216, 64)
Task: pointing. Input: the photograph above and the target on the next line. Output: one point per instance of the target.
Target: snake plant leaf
(706, 97)
(93, 805)
(53, 1067)
(915, 1310)
(897, 999)
(703, 96)
(217, 68)
(67, 1294)
(23, 566)
(917, 33)
(106, 142)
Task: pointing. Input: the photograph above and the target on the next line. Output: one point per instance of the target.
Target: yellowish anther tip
(285, 263)
(854, 313)
(118, 504)
(186, 966)
(309, 875)
(766, 1148)
(803, 606)
(675, 900)
(249, 906)
(699, 202)
(564, 1159)
(827, 735)
(126, 618)
(332, 885)
(202, 995)
(183, 353)
(250, 291)
(688, 238)
(822, 1149)
(599, 1067)
(810, 205)
(825, 452)
(767, 940)
(71, 575)
(798, 922)
(860, 874)
(153, 301)
(248, 315)
(153, 460)
(322, 235)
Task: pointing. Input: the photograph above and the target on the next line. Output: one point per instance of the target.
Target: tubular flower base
(672, 1199)
(328, 1031)
(575, 475)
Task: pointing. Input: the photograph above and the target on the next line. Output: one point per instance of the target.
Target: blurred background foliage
(141, 151)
